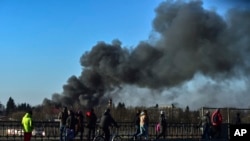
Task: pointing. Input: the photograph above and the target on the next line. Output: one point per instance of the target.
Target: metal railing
(12, 131)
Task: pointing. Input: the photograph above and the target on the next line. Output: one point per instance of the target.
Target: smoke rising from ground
(199, 59)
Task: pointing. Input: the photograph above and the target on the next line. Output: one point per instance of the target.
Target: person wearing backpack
(216, 120)
(163, 126)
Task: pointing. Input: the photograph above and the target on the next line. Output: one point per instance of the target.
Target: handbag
(158, 127)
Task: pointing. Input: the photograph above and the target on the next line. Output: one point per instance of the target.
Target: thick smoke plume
(200, 58)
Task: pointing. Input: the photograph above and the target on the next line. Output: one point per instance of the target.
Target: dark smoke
(198, 54)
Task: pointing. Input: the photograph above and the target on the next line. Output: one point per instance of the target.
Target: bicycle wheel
(99, 138)
(116, 138)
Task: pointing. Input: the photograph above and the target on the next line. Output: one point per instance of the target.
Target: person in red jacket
(216, 120)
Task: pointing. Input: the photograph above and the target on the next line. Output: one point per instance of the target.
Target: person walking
(107, 121)
(237, 119)
(144, 123)
(137, 123)
(63, 115)
(205, 123)
(71, 126)
(27, 124)
(91, 124)
(163, 126)
(216, 120)
(80, 124)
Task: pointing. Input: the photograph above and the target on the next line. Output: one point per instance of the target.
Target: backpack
(216, 118)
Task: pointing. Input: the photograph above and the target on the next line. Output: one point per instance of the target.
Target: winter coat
(80, 122)
(27, 123)
(91, 120)
(163, 121)
(107, 120)
(71, 122)
(63, 117)
(205, 121)
(216, 118)
(137, 119)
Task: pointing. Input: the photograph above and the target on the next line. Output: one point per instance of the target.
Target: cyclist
(105, 122)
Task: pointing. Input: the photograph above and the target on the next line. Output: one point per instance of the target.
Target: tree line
(12, 107)
(122, 113)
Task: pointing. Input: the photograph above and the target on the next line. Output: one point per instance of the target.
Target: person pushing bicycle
(107, 121)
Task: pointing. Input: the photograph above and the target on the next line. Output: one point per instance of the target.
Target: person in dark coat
(63, 115)
(71, 126)
(163, 126)
(80, 124)
(137, 123)
(107, 121)
(91, 124)
(237, 119)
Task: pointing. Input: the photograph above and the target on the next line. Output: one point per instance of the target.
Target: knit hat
(142, 113)
(162, 112)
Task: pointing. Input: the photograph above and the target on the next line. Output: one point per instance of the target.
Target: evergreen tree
(10, 106)
(23, 107)
(1, 108)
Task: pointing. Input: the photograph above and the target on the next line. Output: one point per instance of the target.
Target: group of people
(72, 124)
(142, 122)
(211, 124)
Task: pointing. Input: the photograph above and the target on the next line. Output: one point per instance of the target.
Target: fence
(12, 131)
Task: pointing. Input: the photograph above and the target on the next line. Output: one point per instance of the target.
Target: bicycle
(101, 137)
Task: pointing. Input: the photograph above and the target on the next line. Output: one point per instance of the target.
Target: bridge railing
(12, 130)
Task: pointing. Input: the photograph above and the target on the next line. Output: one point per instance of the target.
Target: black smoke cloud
(191, 41)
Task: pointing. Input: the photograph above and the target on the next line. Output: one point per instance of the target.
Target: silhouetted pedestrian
(63, 115)
(80, 124)
(91, 123)
(205, 123)
(107, 121)
(71, 126)
(237, 120)
(163, 125)
(137, 123)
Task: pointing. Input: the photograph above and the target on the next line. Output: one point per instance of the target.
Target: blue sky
(41, 41)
